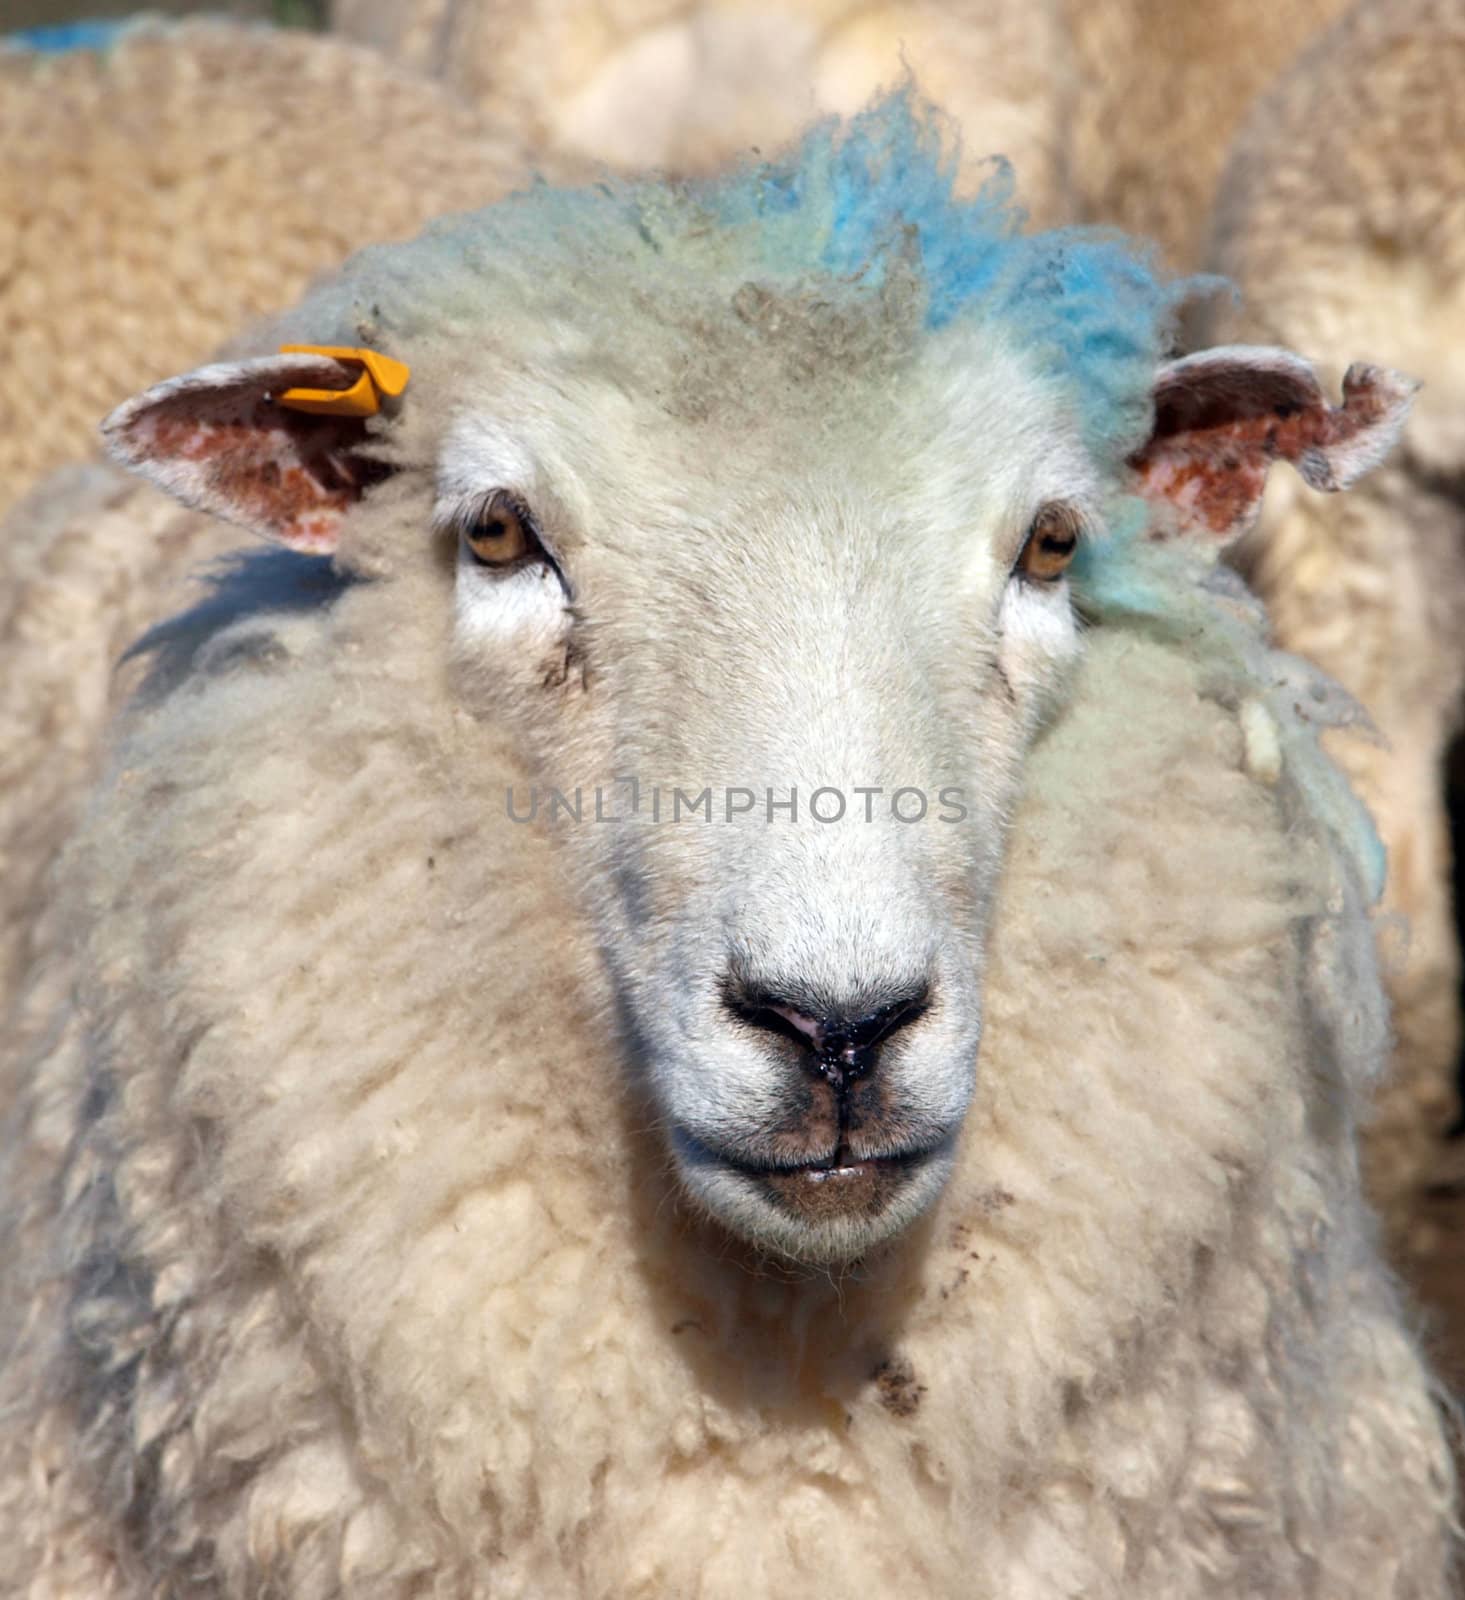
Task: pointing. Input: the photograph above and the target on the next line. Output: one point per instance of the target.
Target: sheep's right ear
(219, 439)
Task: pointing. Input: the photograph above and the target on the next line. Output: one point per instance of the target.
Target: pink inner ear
(1209, 483)
(1223, 417)
(294, 477)
(219, 440)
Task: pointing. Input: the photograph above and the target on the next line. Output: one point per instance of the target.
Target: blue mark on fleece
(1085, 303)
(61, 37)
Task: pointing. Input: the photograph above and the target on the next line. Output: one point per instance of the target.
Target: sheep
(1365, 140)
(398, 1198)
(153, 197)
(1159, 92)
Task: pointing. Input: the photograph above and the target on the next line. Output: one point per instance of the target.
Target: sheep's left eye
(1051, 542)
(502, 533)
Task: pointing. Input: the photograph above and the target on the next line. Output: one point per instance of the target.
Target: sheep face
(771, 683)
(764, 611)
(776, 698)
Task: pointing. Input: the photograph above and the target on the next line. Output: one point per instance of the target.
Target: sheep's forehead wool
(850, 250)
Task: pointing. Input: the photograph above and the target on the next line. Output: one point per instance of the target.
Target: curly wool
(90, 561)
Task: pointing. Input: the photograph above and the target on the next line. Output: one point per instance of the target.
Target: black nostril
(874, 1027)
(842, 1043)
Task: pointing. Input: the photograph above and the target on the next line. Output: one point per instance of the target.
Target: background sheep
(346, 1253)
(1158, 91)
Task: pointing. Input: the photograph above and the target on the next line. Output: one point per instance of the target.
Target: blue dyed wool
(1086, 303)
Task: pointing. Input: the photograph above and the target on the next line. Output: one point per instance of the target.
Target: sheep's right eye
(502, 532)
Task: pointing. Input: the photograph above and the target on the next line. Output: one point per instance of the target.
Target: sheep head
(760, 552)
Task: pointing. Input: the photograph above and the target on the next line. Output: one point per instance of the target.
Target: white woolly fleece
(341, 1263)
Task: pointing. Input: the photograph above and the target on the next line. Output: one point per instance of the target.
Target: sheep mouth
(841, 1163)
(822, 1209)
(846, 1186)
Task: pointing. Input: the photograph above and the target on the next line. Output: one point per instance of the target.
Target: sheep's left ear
(221, 440)
(1223, 416)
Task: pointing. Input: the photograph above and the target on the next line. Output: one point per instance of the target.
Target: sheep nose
(841, 1044)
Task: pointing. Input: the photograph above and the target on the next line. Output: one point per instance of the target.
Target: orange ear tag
(380, 375)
